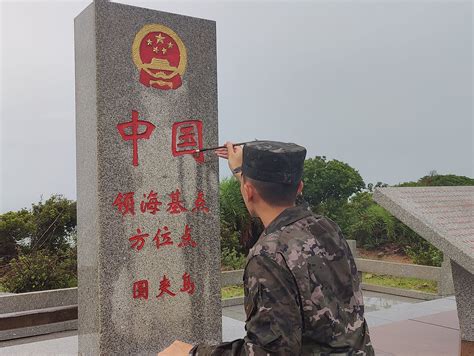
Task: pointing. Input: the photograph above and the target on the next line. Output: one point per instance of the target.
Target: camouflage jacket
(302, 293)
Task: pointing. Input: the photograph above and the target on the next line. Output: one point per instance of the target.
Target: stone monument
(444, 216)
(148, 213)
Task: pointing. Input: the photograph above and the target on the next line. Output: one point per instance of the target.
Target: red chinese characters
(140, 288)
(134, 135)
(138, 240)
(125, 203)
(163, 238)
(188, 284)
(161, 59)
(165, 284)
(176, 204)
(200, 203)
(186, 239)
(187, 138)
(152, 204)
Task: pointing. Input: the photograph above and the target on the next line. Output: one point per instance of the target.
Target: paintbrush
(216, 148)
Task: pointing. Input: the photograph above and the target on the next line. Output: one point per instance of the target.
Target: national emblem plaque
(160, 56)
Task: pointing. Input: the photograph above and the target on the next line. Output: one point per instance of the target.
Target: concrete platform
(398, 327)
(65, 343)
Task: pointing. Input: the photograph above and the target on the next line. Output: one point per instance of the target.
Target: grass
(232, 291)
(421, 285)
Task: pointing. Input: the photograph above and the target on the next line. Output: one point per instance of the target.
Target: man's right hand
(232, 153)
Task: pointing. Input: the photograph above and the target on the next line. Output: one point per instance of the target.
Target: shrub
(230, 240)
(233, 213)
(417, 248)
(232, 260)
(347, 214)
(40, 270)
(234, 217)
(374, 227)
(424, 253)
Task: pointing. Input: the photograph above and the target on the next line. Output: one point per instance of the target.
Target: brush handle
(216, 148)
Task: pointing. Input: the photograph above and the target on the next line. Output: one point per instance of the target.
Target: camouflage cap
(271, 161)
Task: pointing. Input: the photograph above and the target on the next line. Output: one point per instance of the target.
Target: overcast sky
(384, 86)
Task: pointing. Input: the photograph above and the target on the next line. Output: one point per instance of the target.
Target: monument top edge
(432, 187)
(99, 3)
(466, 190)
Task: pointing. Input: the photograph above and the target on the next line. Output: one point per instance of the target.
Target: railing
(36, 313)
(375, 267)
(398, 269)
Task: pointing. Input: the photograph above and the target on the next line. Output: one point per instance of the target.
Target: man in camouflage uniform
(302, 290)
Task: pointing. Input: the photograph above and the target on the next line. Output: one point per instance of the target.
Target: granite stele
(148, 224)
(443, 216)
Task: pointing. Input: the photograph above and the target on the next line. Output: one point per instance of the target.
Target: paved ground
(373, 302)
(398, 326)
(65, 343)
(431, 335)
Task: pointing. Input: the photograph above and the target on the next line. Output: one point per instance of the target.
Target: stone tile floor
(373, 302)
(433, 335)
(399, 327)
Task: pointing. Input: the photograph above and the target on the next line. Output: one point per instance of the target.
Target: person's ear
(300, 187)
(249, 191)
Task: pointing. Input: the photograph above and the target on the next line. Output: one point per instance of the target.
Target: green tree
(329, 182)
(54, 221)
(15, 226)
(434, 179)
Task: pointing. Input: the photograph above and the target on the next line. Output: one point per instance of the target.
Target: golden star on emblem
(163, 50)
(159, 38)
(155, 49)
(149, 42)
(170, 45)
